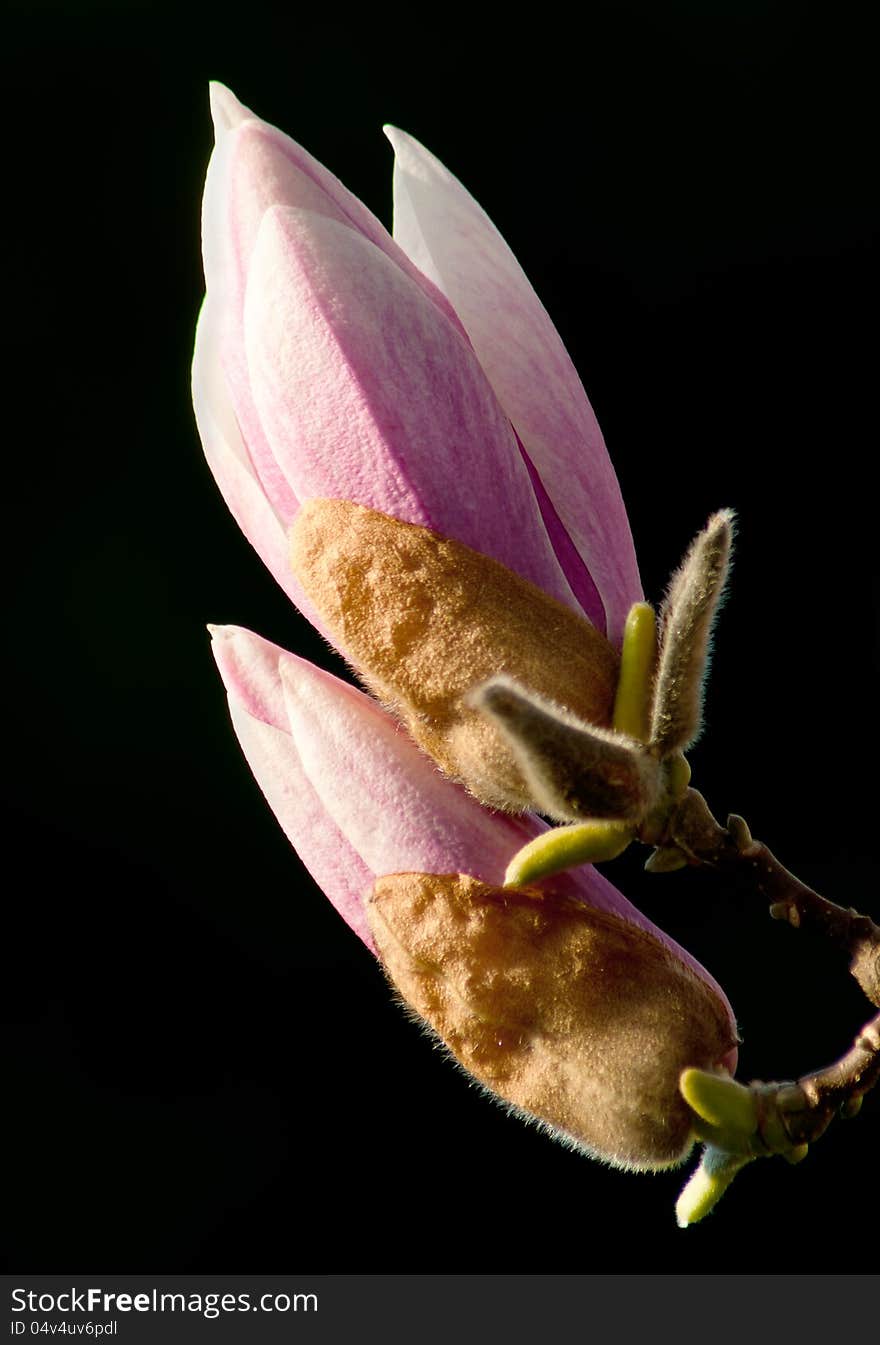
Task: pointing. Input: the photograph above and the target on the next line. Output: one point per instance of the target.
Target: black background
(205, 1071)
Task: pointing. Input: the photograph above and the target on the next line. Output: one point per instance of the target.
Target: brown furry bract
(695, 591)
(424, 620)
(572, 1015)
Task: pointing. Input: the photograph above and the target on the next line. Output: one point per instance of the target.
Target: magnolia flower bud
(572, 1015)
(425, 619)
(329, 362)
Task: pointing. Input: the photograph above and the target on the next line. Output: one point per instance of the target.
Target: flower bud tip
(226, 111)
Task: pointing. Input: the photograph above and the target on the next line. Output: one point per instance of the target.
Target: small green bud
(566, 848)
(678, 776)
(728, 1107)
(632, 703)
(707, 1185)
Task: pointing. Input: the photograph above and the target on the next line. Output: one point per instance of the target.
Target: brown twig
(792, 1115)
(817, 1097)
(696, 832)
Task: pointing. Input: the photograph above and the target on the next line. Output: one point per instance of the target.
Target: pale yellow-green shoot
(565, 848)
(633, 700)
(707, 1185)
(728, 1108)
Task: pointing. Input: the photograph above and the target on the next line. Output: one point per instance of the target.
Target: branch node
(739, 831)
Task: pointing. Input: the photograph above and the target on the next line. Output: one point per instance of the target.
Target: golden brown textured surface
(572, 1014)
(424, 620)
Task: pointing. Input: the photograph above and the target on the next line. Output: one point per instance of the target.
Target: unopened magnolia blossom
(368, 812)
(398, 430)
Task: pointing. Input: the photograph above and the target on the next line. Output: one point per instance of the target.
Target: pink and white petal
(253, 168)
(580, 580)
(233, 471)
(230, 217)
(249, 668)
(263, 167)
(385, 796)
(449, 237)
(367, 393)
(226, 110)
(333, 863)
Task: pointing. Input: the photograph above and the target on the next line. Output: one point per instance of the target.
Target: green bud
(707, 1185)
(727, 1107)
(632, 703)
(566, 848)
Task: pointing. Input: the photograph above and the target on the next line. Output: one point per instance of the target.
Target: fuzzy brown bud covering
(695, 592)
(573, 770)
(424, 619)
(570, 1014)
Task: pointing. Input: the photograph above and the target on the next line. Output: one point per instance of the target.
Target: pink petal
(352, 793)
(260, 167)
(334, 864)
(367, 393)
(233, 471)
(226, 111)
(249, 668)
(450, 238)
(385, 796)
(254, 167)
(245, 178)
